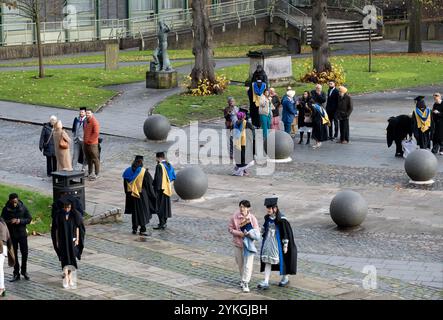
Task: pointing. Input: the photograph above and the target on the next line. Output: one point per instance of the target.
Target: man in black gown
(164, 175)
(140, 195)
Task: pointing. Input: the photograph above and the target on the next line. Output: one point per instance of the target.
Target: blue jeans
(265, 122)
(287, 127)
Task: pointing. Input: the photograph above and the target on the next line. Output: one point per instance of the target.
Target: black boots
(309, 138)
(301, 138)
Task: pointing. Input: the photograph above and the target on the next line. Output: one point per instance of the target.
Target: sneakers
(65, 283)
(317, 145)
(284, 281)
(441, 153)
(245, 287)
(263, 285)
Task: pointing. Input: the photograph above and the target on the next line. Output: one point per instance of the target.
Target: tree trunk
(319, 42)
(41, 69)
(202, 46)
(414, 10)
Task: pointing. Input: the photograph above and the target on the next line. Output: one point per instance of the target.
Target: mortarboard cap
(419, 98)
(160, 154)
(65, 200)
(138, 157)
(271, 202)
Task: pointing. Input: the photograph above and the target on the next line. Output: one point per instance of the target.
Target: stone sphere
(348, 209)
(280, 145)
(421, 165)
(156, 127)
(191, 183)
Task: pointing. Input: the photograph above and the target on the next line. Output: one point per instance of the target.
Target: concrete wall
(430, 30)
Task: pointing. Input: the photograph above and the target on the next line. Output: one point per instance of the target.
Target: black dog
(398, 129)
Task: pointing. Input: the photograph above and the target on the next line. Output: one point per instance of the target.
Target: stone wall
(430, 30)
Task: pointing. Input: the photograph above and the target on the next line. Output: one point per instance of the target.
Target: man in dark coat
(331, 109)
(422, 123)
(164, 175)
(140, 195)
(317, 95)
(399, 128)
(278, 251)
(46, 145)
(259, 74)
(437, 119)
(17, 216)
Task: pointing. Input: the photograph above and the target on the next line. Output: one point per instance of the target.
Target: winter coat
(344, 107)
(46, 143)
(10, 212)
(289, 110)
(64, 160)
(234, 227)
(91, 131)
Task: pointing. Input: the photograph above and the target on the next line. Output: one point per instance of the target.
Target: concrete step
(357, 39)
(347, 35)
(342, 30)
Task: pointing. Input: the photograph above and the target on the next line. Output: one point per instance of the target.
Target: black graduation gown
(423, 138)
(437, 119)
(319, 130)
(253, 110)
(398, 129)
(289, 265)
(144, 207)
(163, 201)
(65, 231)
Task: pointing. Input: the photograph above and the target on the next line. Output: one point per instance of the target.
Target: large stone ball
(191, 183)
(156, 127)
(280, 145)
(348, 209)
(421, 165)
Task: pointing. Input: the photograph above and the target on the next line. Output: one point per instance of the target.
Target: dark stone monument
(280, 145)
(348, 209)
(421, 166)
(160, 74)
(156, 127)
(191, 183)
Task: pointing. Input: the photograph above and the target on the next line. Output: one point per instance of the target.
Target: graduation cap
(160, 154)
(419, 98)
(66, 200)
(138, 157)
(271, 202)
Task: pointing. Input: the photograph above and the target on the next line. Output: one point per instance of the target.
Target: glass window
(171, 4)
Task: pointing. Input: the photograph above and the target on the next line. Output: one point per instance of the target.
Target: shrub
(336, 74)
(206, 88)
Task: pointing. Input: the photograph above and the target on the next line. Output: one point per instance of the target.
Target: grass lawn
(68, 88)
(135, 55)
(390, 71)
(37, 204)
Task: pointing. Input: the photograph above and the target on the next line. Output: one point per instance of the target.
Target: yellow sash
(242, 141)
(325, 119)
(136, 185)
(423, 125)
(166, 184)
(256, 99)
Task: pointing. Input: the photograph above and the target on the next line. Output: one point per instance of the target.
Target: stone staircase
(345, 31)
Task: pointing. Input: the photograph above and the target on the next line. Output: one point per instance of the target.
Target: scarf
(239, 134)
(135, 186)
(423, 119)
(166, 184)
(323, 113)
(130, 175)
(257, 92)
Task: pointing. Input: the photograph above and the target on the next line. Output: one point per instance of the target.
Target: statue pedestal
(161, 79)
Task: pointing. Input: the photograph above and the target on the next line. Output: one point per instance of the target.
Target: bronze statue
(161, 58)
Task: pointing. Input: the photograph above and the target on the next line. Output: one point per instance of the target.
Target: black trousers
(334, 122)
(51, 164)
(344, 130)
(23, 243)
(135, 225)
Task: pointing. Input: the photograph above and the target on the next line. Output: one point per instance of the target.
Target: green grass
(37, 204)
(390, 71)
(133, 56)
(68, 88)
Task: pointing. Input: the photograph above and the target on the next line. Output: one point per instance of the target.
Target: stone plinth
(161, 79)
(111, 56)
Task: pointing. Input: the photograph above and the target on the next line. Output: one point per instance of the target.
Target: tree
(319, 42)
(414, 15)
(31, 9)
(202, 46)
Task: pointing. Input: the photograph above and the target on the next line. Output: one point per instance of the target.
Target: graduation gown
(65, 231)
(163, 201)
(288, 260)
(423, 138)
(319, 130)
(144, 207)
(437, 119)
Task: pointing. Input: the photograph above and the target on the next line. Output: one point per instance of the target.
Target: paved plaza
(401, 237)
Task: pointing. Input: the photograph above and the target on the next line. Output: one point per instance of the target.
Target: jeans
(287, 127)
(51, 165)
(23, 242)
(91, 153)
(265, 122)
(78, 147)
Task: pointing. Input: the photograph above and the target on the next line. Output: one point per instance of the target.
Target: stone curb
(109, 216)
